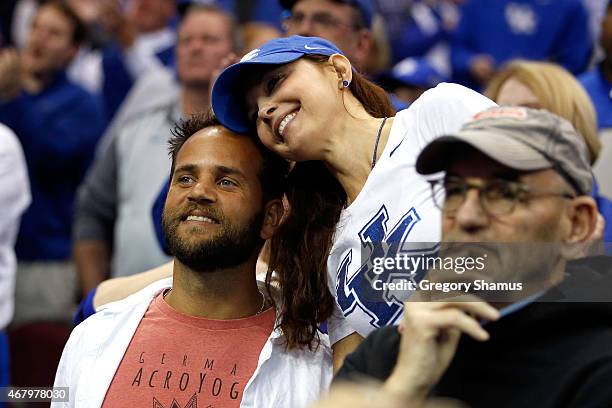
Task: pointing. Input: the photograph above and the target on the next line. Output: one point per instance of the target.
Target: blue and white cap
(227, 96)
(416, 72)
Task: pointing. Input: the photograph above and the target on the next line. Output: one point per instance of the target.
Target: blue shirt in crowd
(58, 129)
(556, 30)
(600, 91)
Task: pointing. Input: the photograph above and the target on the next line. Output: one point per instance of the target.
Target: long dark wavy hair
(301, 245)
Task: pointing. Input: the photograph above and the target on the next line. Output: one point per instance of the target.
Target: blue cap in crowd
(416, 72)
(366, 7)
(227, 95)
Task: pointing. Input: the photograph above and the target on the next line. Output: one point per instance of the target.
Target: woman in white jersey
(354, 193)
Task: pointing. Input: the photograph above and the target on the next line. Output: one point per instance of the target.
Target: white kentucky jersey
(393, 213)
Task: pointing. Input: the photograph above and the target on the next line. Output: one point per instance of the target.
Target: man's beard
(231, 247)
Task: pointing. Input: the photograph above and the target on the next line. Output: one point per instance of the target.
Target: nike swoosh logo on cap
(314, 48)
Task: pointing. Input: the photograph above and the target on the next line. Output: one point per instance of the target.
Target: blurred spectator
(268, 12)
(543, 85)
(596, 10)
(379, 58)
(14, 200)
(256, 34)
(137, 35)
(113, 218)
(23, 12)
(346, 23)
(421, 28)
(598, 82)
(548, 86)
(409, 79)
(58, 124)
(492, 32)
(227, 5)
(144, 41)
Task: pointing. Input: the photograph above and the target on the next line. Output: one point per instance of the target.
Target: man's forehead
(215, 135)
(217, 144)
(320, 5)
(196, 13)
(470, 162)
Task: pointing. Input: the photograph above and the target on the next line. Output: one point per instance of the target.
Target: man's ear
(342, 66)
(273, 216)
(583, 214)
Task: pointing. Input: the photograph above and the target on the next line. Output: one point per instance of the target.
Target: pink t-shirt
(180, 361)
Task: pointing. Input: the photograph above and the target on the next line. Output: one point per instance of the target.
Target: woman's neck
(350, 158)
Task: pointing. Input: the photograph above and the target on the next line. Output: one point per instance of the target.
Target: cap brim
(440, 153)
(227, 97)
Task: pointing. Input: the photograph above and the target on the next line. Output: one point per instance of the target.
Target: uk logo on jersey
(378, 240)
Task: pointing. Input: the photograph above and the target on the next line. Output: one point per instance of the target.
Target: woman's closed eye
(272, 83)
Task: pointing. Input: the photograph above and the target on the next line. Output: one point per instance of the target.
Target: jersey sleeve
(444, 109)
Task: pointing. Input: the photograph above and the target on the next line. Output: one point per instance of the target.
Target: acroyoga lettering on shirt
(209, 381)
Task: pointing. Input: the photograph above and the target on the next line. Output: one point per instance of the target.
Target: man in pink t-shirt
(209, 339)
(198, 344)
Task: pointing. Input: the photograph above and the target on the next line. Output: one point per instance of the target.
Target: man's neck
(539, 284)
(34, 83)
(195, 99)
(222, 294)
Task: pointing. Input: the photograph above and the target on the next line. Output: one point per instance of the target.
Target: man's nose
(203, 191)
(471, 216)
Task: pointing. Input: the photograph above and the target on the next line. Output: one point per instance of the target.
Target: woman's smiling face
(292, 106)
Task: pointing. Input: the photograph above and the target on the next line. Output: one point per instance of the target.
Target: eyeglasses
(497, 197)
(319, 21)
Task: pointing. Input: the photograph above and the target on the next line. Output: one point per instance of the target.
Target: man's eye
(184, 179)
(226, 183)
(453, 189)
(296, 18)
(324, 20)
(499, 191)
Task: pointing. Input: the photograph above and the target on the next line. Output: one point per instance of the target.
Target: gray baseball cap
(520, 138)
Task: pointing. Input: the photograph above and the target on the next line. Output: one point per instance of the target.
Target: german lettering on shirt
(180, 361)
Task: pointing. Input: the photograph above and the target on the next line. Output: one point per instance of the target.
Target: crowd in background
(90, 89)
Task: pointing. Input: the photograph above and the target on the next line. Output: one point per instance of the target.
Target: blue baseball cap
(366, 7)
(227, 95)
(416, 72)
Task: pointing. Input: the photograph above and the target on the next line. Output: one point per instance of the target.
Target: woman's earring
(345, 83)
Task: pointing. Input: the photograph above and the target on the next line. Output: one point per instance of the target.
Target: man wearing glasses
(515, 178)
(346, 23)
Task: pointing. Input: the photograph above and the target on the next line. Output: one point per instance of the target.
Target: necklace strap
(382, 125)
(263, 302)
(261, 309)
